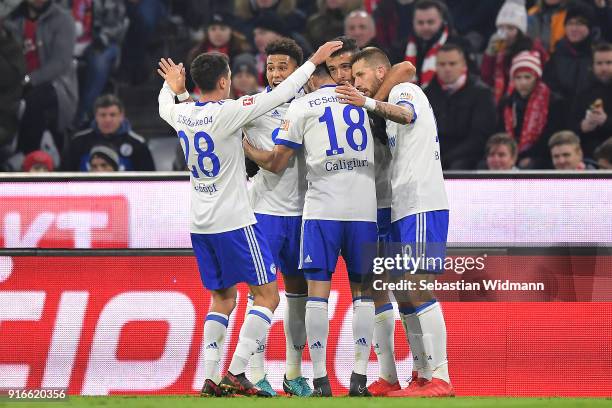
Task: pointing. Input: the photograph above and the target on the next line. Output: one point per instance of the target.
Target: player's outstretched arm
(174, 85)
(348, 94)
(275, 161)
(401, 72)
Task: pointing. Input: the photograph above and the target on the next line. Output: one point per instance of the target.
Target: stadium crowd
(513, 84)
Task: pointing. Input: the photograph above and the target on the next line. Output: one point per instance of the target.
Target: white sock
(257, 370)
(317, 330)
(215, 328)
(294, 323)
(414, 334)
(384, 342)
(363, 329)
(253, 335)
(434, 339)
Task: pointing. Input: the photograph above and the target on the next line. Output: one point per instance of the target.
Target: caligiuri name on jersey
(344, 164)
(210, 189)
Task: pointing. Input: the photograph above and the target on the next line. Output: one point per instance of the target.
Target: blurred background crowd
(514, 84)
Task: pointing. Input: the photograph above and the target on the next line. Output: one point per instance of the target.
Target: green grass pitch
(338, 402)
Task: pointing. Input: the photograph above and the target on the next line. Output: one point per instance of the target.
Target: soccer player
(339, 212)
(419, 211)
(278, 201)
(340, 68)
(228, 243)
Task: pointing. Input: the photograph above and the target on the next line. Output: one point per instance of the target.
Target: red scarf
(428, 70)
(499, 75)
(534, 120)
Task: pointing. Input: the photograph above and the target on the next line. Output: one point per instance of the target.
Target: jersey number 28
(207, 153)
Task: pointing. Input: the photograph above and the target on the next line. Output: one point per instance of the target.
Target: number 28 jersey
(338, 147)
(211, 136)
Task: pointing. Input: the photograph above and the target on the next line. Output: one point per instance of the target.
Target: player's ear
(380, 72)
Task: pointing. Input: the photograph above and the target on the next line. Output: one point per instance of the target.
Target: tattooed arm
(396, 113)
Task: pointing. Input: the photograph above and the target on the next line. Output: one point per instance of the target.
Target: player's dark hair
(604, 151)
(321, 71)
(501, 139)
(207, 68)
(286, 46)
(448, 47)
(108, 100)
(348, 45)
(372, 55)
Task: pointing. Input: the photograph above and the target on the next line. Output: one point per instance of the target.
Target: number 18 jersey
(338, 147)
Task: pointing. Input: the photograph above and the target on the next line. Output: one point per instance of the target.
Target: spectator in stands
(220, 36)
(509, 40)
(566, 152)
(145, 16)
(37, 162)
(101, 36)
(603, 11)
(250, 10)
(359, 25)
(47, 33)
(568, 70)
(474, 20)
(464, 110)
(109, 127)
(603, 155)
(270, 27)
(432, 29)
(592, 109)
(103, 158)
(546, 22)
(530, 112)
(391, 28)
(501, 152)
(12, 71)
(244, 76)
(328, 22)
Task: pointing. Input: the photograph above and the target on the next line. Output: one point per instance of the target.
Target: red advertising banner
(133, 325)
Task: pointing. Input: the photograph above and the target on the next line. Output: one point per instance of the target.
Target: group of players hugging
(349, 157)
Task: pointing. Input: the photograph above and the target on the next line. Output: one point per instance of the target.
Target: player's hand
(325, 51)
(173, 74)
(348, 94)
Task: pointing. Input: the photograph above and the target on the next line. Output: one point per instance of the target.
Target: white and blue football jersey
(276, 194)
(211, 136)
(417, 182)
(339, 151)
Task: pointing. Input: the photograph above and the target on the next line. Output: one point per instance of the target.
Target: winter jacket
(12, 72)
(567, 72)
(465, 120)
(591, 140)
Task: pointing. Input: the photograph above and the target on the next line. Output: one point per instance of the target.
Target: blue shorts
(424, 237)
(383, 221)
(324, 240)
(283, 236)
(231, 257)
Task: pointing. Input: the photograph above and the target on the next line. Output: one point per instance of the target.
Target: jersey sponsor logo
(391, 141)
(64, 222)
(273, 269)
(276, 114)
(406, 95)
(248, 101)
(307, 260)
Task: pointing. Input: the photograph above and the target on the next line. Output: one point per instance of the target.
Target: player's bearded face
(366, 78)
(278, 68)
